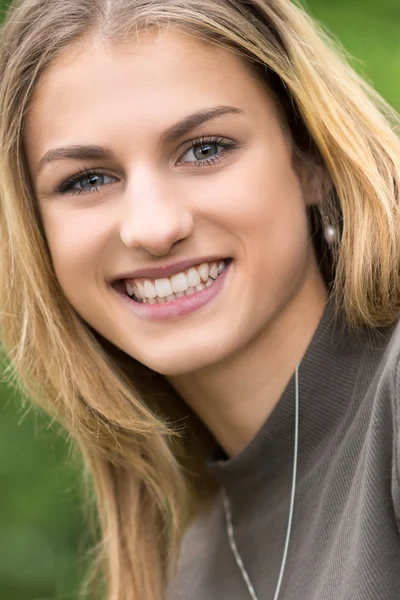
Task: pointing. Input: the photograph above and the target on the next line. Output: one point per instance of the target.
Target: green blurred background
(41, 524)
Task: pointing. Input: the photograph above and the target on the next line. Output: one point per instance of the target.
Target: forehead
(147, 83)
(160, 57)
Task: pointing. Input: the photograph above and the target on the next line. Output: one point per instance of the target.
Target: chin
(178, 363)
(175, 368)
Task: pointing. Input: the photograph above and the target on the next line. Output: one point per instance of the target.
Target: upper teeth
(177, 284)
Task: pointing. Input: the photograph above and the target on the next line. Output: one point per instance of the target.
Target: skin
(232, 359)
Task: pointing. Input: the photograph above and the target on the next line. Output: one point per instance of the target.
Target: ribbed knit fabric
(345, 540)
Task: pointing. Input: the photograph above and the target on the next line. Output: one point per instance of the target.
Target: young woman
(200, 264)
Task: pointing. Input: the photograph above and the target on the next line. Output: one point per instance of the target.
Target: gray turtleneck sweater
(345, 538)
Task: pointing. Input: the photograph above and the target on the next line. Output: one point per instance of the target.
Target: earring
(330, 234)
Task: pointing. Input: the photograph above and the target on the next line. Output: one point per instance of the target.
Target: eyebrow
(173, 133)
(76, 152)
(194, 120)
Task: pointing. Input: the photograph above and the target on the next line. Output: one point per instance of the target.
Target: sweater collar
(327, 374)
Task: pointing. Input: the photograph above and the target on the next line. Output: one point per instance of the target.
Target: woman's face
(149, 159)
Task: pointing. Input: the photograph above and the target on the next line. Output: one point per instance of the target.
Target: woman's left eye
(206, 152)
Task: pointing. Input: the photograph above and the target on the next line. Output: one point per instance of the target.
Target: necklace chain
(228, 512)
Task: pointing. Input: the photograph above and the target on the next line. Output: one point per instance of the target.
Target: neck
(234, 397)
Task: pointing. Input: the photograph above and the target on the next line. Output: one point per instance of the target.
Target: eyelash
(227, 146)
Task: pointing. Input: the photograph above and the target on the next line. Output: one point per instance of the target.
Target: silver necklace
(228, 512)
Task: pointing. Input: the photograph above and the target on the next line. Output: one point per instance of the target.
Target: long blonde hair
(143, 448)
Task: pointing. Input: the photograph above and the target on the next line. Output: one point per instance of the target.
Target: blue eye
(94, 181)
(202, 152)
(207, 151)
(85, 182)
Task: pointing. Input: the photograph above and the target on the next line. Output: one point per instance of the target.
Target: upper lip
(167, 270)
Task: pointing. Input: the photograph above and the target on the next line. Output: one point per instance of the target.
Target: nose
(154, 215)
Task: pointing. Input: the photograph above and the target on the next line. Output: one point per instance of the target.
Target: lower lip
(181, 306)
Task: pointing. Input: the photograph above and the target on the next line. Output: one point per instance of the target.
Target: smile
(168, 289)
(176, 296)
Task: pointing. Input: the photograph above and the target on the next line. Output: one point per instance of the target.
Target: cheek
(260, 197)
(75, 239)
(260, 203)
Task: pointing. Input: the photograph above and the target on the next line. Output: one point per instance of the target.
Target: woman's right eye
(85, 183)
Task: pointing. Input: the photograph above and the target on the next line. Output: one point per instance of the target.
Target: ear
(315, 181)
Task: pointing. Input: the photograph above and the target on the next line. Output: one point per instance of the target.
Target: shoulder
(391, 370)
(396, 353)
(391, 360)
(392, 366)
(383, 352)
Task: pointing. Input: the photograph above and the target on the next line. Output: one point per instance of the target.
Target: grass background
(41, 522)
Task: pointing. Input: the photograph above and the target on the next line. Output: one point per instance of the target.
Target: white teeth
(193, 278)
(140, 290)
(163, 287)
(179, 282)
(149, 289)
(130, 289)
(203, 271)
(213, 271)
(177, 286)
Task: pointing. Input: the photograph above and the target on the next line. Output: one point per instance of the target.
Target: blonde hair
(147, 472)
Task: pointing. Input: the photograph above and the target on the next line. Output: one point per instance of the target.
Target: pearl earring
(330, 234)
